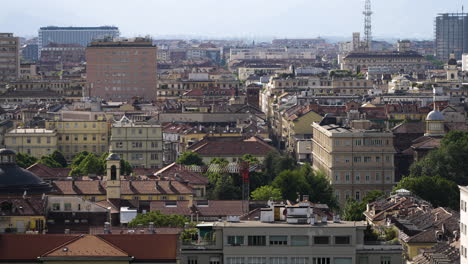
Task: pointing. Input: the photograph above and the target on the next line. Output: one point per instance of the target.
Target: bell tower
(451, 68)
(113, 176)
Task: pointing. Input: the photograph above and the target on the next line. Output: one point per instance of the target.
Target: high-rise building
(121, 69)
(30, 52)
(9, 57)
(74, 35)
(451, 35)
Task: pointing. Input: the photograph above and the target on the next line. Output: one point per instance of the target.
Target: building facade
(282, 242)
(463, 225)
(140, 144)
(76, 136)
(451, 35)
(394, 62)
(74, 35)
(355, 160)
(36, 142)
(9, 57)
(120, 70)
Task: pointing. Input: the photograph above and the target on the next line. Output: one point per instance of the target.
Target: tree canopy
(25, 160)
(159, 220)
(353, 210)
(190, 158)
(266, 192)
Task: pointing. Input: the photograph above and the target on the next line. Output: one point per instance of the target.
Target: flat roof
(79, 28)
(283, 224)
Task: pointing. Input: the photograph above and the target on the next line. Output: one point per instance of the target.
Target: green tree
(190, 158)
(25, 160)
(291, 183)
(125, 167)
(267, 192)
(449, 161)
(250, 159)
(79, 157)
(436, 190)
(353, 210)
(58, 157)
(89, 165)
(223, 188)
(320, 190)
(50, 162)
(159, 220)
(219, 161)
(373, 196)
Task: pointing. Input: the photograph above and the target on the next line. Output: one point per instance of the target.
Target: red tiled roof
(215, 208)
(146, 246)
(180, 173)
(45, 172)
(86, 246)
(27, 206)
(12, 246)
(78, 187)
(181, 208)
(231, 146)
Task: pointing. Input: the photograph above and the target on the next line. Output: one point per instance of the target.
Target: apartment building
(463, 224)
(121, 69)
(356, 160)
(36, 142)
(394, 62)
(9, 57)
(273, 54)
(78, 135)
(141, 144)
(451, 35)
(280, 239)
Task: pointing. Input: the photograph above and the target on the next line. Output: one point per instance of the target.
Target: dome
(452, 61)
(113, 156)
(435, 115)
(16, 180)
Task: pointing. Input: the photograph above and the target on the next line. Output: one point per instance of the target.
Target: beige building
(355, 160)
(9, 57)
(138, 143)
(36, 142)
(76, 136)
(285, 241)
(393, 62)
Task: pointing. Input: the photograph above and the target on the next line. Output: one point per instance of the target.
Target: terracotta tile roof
(78, 187)
(87, 246)
(218, 208)
(28, 206)
(45, 172)
(12, 246)
(180, 173)
(410, 127)
(210, 208)
(231, 146)
(146, 246)
(84, 187)
(154, 187)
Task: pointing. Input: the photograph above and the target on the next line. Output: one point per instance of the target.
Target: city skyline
(211, 19)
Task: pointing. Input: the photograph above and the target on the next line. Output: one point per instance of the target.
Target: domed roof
(16, 180)
(452, 61)
(435, 115)
(113, 156)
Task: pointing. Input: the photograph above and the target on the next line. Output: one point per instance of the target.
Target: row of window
(80, 125)
(294, 260)
(285, 240)
(93, 137)
(76, 148)
(135, 131)
(363, 142)
(29, 140)
(367, 177)
(136, 144)
(364, 159)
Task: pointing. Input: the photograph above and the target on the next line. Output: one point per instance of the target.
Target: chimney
(107, 228)
(151, 228)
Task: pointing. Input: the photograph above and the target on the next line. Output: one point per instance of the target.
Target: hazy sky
(235, 18)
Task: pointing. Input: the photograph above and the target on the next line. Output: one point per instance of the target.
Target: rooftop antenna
(368, 24)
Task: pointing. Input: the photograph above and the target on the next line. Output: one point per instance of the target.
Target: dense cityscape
(117, 149)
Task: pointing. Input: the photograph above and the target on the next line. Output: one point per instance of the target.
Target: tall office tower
(74, 35)
(9, 57)
(119, 70)
(451, 35)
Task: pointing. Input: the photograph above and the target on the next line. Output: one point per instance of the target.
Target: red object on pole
(244, 171)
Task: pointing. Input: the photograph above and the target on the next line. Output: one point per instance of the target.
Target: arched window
(113, 173)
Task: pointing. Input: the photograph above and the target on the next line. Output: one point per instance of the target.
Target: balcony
(199, 245)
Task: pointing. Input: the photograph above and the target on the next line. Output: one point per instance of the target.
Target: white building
(465, 62)
(463, 224)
